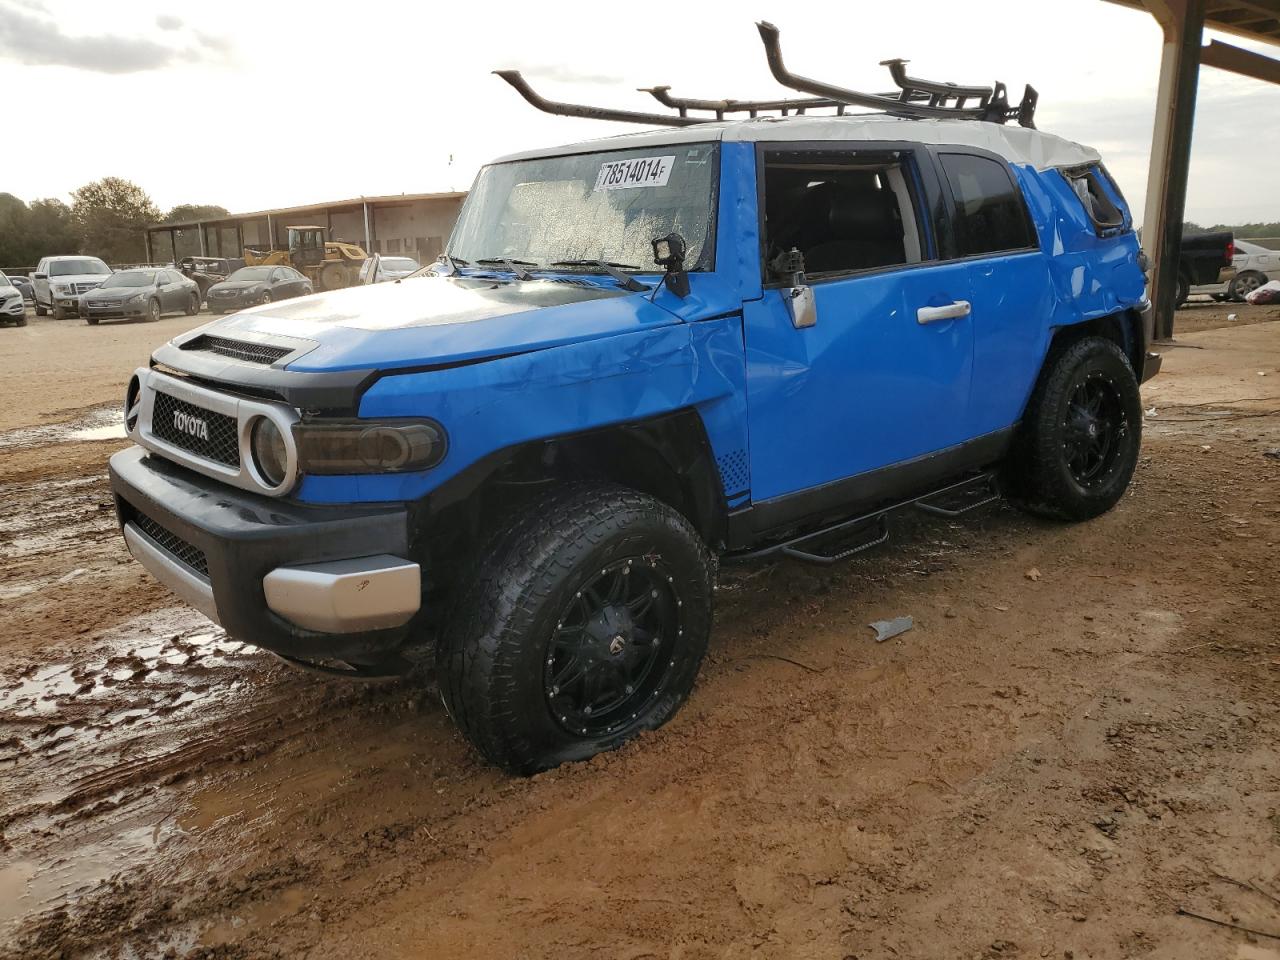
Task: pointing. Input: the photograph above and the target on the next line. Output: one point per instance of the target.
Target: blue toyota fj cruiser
(724, 339)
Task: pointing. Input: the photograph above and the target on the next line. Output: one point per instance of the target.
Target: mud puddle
(105, 423)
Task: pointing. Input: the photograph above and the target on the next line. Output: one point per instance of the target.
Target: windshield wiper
(515, 266)
(612, 269)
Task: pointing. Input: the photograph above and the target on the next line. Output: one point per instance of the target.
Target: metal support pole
(1183, 25)
(146, 237)
(173, 243)
(271, 234)
(367, 248)
(203, 251)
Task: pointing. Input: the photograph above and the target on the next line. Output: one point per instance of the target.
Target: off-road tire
(193, 305)
(1039, 476)
(333, 276)
(494, 644)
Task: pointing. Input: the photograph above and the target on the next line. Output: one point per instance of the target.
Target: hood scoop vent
(243, 350)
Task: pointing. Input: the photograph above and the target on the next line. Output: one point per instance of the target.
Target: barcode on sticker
(636, 172)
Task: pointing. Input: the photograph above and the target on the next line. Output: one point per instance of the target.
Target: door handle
(951, 311)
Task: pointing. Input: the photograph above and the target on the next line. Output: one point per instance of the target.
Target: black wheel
(58, 312)
(1078, 443)
(153, 309)
(1245, 283)
(583, 623)
(92, 321)
(40, 311)
(22, 320)
(1182, 291)
(193, 305)
(266, 297)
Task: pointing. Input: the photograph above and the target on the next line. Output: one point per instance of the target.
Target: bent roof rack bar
(914, 98)
(514, 78)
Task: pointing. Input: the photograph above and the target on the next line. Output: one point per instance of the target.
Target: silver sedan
(148, 293)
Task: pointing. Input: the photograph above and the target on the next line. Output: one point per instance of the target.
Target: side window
(277, 275)
(988, 210)
(843, 210)
(1090, 184)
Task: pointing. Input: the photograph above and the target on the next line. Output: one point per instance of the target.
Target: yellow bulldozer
(329, 264)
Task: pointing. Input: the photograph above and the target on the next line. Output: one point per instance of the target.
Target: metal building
(414, 224)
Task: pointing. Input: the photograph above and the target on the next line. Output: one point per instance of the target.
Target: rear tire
(581, 624)
(193, 305)
(1182, 291)
(1078, 444)
(40, 311)
(332, 277)
(153, 310)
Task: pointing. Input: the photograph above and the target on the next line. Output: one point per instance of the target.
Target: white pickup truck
(58, 283)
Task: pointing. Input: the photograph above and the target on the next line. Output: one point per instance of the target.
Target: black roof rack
(914, 98)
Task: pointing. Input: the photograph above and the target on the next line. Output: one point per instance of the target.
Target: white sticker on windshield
(636, 172)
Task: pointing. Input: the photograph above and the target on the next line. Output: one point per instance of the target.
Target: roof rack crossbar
(514, 78)
(938, 93)
(753, 107)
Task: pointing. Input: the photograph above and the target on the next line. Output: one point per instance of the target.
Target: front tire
(1078, 443)
(1182, 291)
(40, 311)
(153, 310)
(582, 624)
(193, 305)
(58, 312)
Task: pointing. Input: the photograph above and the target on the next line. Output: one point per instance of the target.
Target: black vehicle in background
(206, 271)
(24, 287)
(1201, 259)
(148, 293)
(253, 285)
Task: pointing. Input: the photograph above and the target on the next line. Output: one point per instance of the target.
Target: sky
(256, 105)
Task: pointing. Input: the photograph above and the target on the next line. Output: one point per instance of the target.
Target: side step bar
(850, 537)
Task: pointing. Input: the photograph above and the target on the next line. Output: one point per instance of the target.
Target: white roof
(1044, 151)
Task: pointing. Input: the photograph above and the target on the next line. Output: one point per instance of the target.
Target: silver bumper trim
(188, 585)
(346, 596)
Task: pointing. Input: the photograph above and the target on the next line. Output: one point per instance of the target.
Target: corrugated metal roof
(1252, 19)
(313, 207)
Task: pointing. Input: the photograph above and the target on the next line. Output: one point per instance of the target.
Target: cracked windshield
(597, 206)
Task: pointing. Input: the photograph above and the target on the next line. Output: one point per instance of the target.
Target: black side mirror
(40, 276)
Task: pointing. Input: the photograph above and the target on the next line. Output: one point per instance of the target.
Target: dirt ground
(1076, 741)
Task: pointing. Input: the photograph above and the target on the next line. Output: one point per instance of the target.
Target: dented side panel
(505, 402)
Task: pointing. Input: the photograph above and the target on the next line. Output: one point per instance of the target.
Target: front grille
(238, 349)
(105, 304)
(216, 442)
(85, 287)
(172, 544)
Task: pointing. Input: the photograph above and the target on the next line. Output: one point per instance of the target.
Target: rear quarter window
(988, 210)
(1099, 196)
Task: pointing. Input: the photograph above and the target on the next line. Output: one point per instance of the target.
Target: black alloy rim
(611, 650)
(1094, 430)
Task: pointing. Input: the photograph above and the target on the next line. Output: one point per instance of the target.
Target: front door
(883, 376)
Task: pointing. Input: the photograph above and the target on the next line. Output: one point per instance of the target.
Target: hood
(433, 320)
(118, 293)
(237, 285)
(78, 278)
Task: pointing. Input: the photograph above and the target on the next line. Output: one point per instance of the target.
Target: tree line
(1242, 230)
(106, 218)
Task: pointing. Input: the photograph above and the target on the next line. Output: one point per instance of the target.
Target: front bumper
(304, 582)
(16, 308)
(88, 309)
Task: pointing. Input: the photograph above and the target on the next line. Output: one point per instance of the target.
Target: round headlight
(270, 453)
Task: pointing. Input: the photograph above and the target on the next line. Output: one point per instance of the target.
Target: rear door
(883, 376)
(989, 232)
